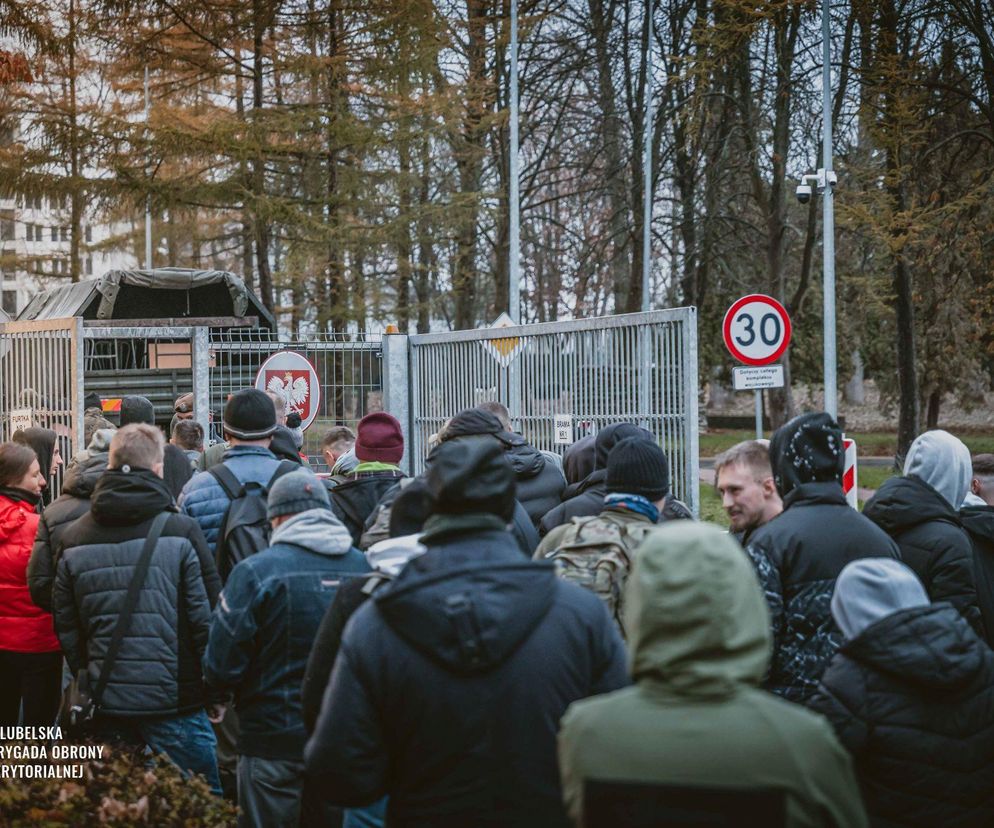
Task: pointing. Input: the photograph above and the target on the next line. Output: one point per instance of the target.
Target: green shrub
(119, 790)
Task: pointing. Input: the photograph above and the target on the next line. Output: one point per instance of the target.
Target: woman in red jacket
(30, 660)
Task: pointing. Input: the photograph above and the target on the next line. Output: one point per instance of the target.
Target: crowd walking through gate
(510, 638)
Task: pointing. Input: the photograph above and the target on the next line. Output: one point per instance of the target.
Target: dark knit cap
(474, 422)
(135, 409)
(638, 466)
(471, 475)
(379, 439)
(92, 400)
(295, 492)
(808, 449)
(249, 415)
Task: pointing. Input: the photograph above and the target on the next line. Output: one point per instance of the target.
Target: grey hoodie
(870, 589)
(942, 461)
(316, 530)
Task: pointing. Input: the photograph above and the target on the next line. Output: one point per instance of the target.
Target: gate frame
(401, 366)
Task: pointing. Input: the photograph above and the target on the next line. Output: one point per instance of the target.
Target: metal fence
(581, 375)
(349, 370)
(41, 365)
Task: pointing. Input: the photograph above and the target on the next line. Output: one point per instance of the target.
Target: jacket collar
(238, 451)
(811, 494)
(441, 528)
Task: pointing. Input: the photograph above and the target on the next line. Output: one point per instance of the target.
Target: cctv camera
(804, 193)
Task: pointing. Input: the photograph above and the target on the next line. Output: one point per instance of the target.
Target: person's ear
(769, 488)
(975, 486)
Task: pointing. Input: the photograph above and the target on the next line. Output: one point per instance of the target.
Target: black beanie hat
(638, 466)
(250, 415)
(807, 449)
(474, 422)
(609, 436)
(471, 475)
(135, 409)
(92, 400)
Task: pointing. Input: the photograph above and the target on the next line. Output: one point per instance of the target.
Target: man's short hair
(139, 446)
(499, 411)
(753, 454)
(189, 435)
(338, 437)
(278, 403)
(983, 465)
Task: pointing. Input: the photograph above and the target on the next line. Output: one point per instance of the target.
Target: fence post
(691, 410)
(200, 346)
(77, 392)
(397, 389)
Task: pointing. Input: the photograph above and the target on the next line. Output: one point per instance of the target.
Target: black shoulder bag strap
(285, 467)
(226, 479)
(124, 619)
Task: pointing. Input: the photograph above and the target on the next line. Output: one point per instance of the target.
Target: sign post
(756, 331)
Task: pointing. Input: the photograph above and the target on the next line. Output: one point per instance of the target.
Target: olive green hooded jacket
(699, 635)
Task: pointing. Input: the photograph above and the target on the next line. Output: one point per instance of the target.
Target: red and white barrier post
(849, 474)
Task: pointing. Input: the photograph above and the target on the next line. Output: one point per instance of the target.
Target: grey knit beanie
(296, 492)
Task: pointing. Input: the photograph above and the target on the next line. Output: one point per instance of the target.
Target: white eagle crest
(293, 392)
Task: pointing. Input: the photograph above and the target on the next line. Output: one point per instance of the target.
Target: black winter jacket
(798, 555)
(451, 681)
(979, 524)
(157, 671)
(540, 484)
(912, 698)
(932, 541)
(356, 499)
(73, 503)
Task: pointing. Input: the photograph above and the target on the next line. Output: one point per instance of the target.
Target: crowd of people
(510, 638)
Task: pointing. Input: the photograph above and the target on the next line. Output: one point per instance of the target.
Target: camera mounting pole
(828, 219)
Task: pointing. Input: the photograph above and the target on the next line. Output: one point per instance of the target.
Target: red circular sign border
(313, 370)
(726, 328)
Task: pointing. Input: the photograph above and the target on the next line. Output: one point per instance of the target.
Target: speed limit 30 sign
(756, 329)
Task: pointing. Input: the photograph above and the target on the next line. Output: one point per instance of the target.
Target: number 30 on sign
(756, 329)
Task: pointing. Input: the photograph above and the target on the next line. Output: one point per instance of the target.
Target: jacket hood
(390, 555)
(578, 461)
(696, 617)
(316, 530)
(808, 449)
(869, 589)
(931, 647)
(42, 441)
(942, 461)
(526, 460)
(903, 502)
(608, 437)
(469, 604)
(125, 498)
(82, 477)
(283, 446)
(978, 520)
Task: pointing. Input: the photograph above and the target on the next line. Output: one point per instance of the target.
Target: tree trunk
(932, 415)
(260, 225)
(75, 192)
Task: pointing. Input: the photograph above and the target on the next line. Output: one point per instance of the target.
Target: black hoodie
(912, 699)
(451, 681)
(540, 483)
(932, 541)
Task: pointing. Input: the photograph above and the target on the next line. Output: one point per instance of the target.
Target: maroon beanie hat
(379, 439)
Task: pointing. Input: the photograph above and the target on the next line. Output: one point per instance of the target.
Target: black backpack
(245, 529)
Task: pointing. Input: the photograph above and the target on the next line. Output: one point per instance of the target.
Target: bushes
(119, 790)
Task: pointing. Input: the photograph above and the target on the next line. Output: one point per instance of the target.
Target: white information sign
(20, 419)
(564, 429)
(755, 378)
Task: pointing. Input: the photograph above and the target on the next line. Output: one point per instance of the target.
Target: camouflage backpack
(597, 553)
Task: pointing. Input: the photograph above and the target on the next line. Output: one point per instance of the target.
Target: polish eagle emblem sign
(292, 378)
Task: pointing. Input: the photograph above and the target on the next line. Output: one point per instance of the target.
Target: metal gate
(349, 370)
(41, 367)
(586, 373)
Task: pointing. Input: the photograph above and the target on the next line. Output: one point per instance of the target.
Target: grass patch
(872, 477)
(711, 510)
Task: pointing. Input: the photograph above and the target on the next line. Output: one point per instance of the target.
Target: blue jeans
(188, 740)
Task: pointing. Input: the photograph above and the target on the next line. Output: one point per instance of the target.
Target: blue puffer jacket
(204, 500)
(266, 621)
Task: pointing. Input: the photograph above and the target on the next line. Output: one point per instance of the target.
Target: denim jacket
(265, 623)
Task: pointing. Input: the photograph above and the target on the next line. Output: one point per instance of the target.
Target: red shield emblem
(294, 387)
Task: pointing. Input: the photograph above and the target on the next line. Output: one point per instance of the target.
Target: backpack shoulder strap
(130, 601)
(226, 478)
(285, 467)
